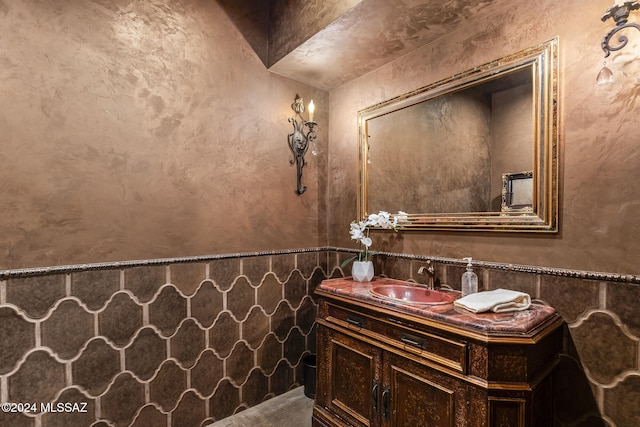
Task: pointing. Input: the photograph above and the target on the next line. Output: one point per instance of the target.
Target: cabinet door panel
(354, 368)
(422, 396)
(419, 402)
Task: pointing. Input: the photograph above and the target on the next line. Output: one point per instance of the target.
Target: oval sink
(412, 295)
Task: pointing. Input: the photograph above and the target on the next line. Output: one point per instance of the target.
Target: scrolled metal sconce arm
(299, 140)
(620, 14)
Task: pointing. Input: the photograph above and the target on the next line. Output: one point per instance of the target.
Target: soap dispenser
(469, 280)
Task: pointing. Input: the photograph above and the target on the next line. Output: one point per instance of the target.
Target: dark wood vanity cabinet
(382, 367)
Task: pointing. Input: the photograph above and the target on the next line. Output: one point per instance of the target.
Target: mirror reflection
(442, 153)
(454, 148)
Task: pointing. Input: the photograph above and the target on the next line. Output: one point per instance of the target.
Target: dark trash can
(309, 375)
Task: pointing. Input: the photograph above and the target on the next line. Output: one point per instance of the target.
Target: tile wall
(185, 342)
(159, 343)
(598, 376)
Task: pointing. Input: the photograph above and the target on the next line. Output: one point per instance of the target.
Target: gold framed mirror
(439, 153)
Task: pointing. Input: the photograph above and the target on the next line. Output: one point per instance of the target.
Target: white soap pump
(469, 279)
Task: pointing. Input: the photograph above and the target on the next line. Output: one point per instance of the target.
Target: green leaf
(345, 262)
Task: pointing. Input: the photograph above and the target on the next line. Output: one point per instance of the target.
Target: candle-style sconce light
(620, 13)
(301, 138)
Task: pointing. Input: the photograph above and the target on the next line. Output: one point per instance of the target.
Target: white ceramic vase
(362, 271)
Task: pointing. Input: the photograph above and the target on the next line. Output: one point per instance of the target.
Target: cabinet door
(416, 395)
(349, 377)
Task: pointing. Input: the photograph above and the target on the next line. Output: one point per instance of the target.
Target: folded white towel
(498, 301)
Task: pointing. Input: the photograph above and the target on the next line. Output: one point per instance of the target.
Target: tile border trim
(550, 271)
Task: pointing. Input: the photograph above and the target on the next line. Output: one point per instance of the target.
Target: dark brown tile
(224, 333)
(206, 303)
(36, 295)
(454, 277)
(120, 404)
(239, 363)
(255, 328)
(294, 346)
(17, 336)
(15, 419)
(120, 319)
(167, 386)
(269, 293)
(574, 396)
(621, 402)
(82, 410)
(255, 268)
(190, 411)
(256, 388)
(311, 339)
(327, 261)
(622, 299)
(150, 416)
(94, 288)
(145, 281)
(282, 320)
(306, 262)
(306, 315)
(39, 379)
(317, 278)
(207, 372)
(396, 268)
(598, 339)
(187, 344)
(240, 298)
(187, 277)
(145, 354)
(168, 310)
(570, 296)
(295, 288)
(514, 280)
(269, 353)
(225, 400)
(97, 365)
(224, 272)
(281, 379)
(282, 265)
(67, 329)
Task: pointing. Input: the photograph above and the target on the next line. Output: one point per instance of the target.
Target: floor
(287, 410)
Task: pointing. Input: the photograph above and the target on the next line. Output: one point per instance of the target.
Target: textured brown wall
(144, 129)
(439, 149)
(599, 191)
(295, 21)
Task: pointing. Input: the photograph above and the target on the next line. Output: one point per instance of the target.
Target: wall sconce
(620, 13)
(299, 140)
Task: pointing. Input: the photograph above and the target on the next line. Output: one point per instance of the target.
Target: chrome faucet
(430, 271)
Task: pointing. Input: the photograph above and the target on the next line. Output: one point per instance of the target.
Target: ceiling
(326, 43)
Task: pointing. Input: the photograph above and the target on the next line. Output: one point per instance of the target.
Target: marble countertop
(489, 323)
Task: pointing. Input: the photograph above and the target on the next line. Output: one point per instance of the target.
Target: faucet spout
(430, 271)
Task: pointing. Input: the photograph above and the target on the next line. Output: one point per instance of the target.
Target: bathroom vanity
(385, 362)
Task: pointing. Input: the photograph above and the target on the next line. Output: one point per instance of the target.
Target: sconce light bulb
(312, 108)
(605, 76)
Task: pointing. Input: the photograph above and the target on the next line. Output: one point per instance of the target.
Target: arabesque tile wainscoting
(158, 343)
(183, 342)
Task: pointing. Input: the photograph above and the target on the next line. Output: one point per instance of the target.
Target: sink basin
(412, 295)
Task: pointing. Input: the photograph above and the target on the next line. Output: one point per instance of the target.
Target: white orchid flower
(360, 231)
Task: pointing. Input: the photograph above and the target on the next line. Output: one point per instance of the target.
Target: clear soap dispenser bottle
(469, 280)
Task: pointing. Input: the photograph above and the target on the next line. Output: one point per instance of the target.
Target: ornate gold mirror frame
(542, 63)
